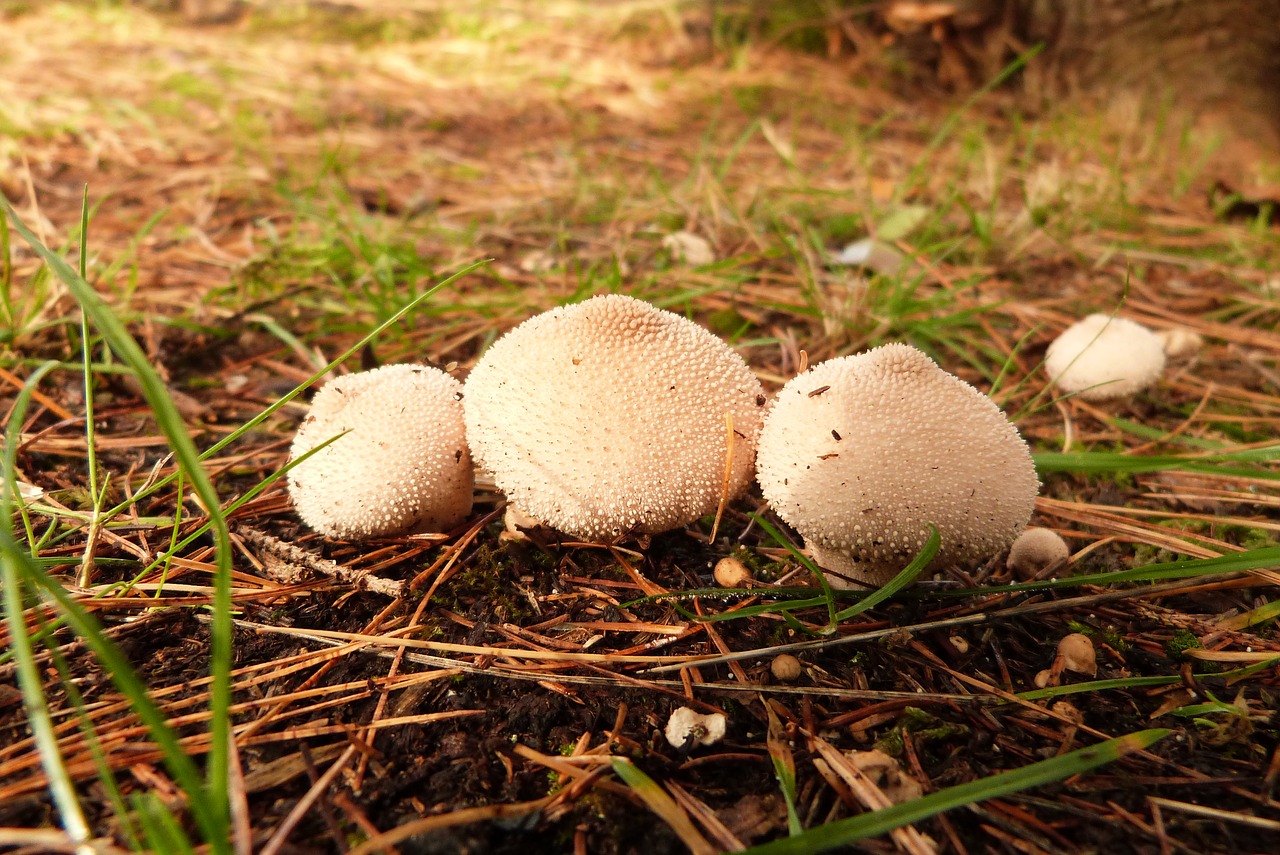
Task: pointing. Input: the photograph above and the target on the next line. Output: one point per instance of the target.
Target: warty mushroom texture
(860, 454)
(612, 417)
(400, 462)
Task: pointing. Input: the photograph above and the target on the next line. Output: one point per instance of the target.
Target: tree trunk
(1209, 54)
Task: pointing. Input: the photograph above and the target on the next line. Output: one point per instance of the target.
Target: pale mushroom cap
(687, 728)
(1035, 549)
(859, 454)
(402, 464)
(610, 417)
(1101, 358)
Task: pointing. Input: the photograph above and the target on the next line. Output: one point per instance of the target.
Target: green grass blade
(1109, 463)
(252, 423)
(215, 810)
(847, 831)
(1262, 558)
(34, 703)
(828, 596)
(900, 581)
(658, 801)
(12, 577)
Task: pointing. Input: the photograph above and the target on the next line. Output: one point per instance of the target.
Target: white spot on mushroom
(1102, 358)
(611, 417)
(918, 446)
(399, 463)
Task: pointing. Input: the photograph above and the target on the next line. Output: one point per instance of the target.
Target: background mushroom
(610, 417)
(402, 464)
(1036, 549)
(1101, 358)
(860, 454)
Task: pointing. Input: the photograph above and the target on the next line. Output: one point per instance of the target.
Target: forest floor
(266, 191)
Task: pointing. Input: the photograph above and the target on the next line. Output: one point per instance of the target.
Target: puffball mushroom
(861, 453)
(400, 461)
(611, 417)
(1102, 358)
(1034, 550)
(687, 728)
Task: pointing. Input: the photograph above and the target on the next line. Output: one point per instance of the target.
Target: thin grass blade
(847, 831)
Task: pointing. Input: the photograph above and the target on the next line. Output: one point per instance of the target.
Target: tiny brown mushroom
(1034, 550)
(732, 573)
(785, 667)
(1077, 654)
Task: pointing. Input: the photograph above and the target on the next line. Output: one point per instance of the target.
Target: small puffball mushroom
(1076, 653)
(689, 248)
(732, 573)
(400, 462)
(1101, 358)
(785, 667)
(1034, 550)
(860, 454)
(1180, 342)
(611, 417)
(687, 728)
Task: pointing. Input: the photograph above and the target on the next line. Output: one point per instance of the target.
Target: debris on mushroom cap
(785, 667)
(860, 454)
(1034, 550)
(1077, 654)
(688, 728)
(732, 573)
(1101, 358)
(400, 462)
(611, 417)
(1179, 342)
(514, 520)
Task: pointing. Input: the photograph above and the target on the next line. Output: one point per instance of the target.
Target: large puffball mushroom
(860, 454)
(400, 461)
(611, 417)
(1101, 358)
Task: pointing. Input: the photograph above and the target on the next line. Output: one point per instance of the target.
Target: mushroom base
(845, 572)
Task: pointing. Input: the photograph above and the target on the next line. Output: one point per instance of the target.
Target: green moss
(1182, 641)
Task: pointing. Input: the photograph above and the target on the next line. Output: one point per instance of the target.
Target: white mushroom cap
(1101, 358)
(401, 463)
(1034, 550)
(687, 728)
(859, 454)
(609, 418)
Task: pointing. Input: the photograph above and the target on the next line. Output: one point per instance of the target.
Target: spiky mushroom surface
(610, 417)
(400, 462)
(1103, 358)
(860, 454)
